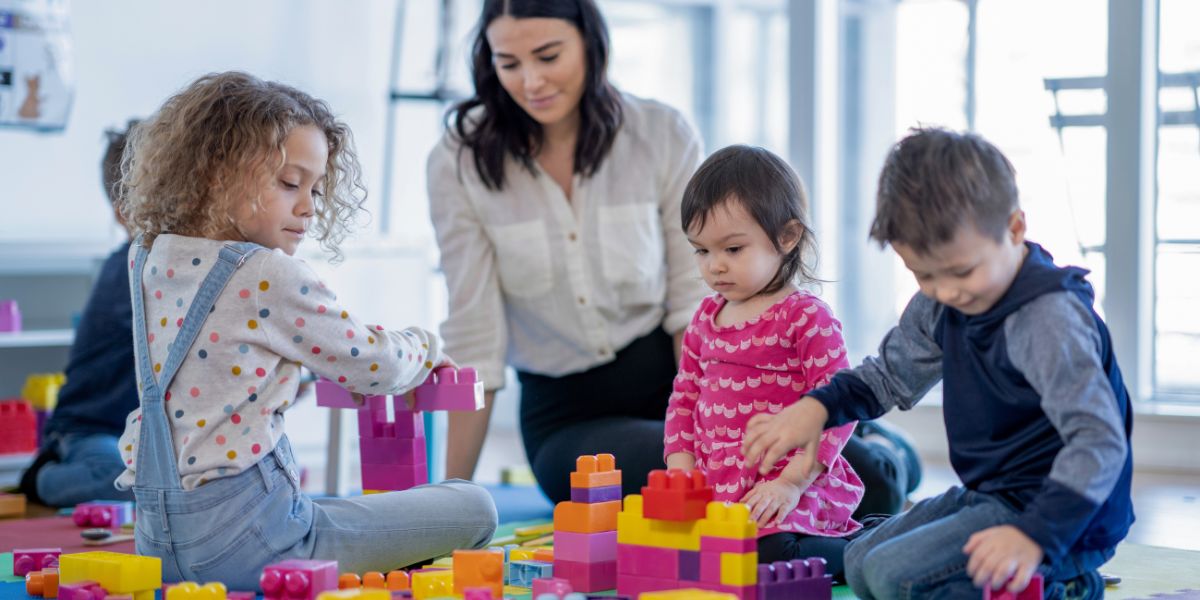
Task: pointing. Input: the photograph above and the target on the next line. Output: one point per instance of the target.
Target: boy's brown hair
(934, 181)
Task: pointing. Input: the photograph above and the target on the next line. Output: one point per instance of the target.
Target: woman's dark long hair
(503, 127)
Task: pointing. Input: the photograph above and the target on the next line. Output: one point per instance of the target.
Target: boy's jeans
(85, 470)
(918, 554)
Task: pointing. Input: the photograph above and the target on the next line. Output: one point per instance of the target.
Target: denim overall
(230, 528)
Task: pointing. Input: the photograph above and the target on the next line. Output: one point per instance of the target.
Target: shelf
(38, 338)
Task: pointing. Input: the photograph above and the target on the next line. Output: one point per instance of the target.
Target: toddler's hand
(771, 501)
(770, 437)
(1000, 554)
(681, 460)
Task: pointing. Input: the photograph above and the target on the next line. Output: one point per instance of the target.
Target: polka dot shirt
(226, 404)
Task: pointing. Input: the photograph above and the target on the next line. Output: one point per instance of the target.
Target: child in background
(755, 347)
(1037, 415)
(222, 184)
(78, 460)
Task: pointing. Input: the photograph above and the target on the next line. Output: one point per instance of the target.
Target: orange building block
(42, 583)
(579, 517)
(544, 554)
(397, 580)
(479, 568)
(595, 471)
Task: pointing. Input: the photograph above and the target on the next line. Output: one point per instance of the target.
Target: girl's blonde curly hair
(216, 145)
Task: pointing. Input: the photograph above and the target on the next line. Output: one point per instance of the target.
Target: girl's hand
(446, 362)
(681, 460)
(770, 437)
(771, 501)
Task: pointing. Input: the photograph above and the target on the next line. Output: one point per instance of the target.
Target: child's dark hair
(769, 190)
(110, 163)
(502, 128)
(934, 181)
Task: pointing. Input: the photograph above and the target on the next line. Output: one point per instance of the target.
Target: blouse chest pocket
(631, 241)
(522, 258)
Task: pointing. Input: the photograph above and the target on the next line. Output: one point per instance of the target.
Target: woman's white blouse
(552, 286)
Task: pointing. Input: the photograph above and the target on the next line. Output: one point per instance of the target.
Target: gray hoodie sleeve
(908, 365)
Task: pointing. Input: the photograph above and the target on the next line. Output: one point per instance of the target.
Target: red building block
(450, 389)
(595, 471)
(298, 579)
(676, 495)
(18, 427)
(587, 577)
(1033, 591)
(28, 560)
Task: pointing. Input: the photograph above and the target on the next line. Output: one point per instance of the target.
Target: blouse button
(571, 236)
(582, 300)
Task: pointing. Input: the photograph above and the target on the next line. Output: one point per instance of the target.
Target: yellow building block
(446, 562)
(728, 520)
(521, 554)
(41, 389)
(117, 573)
(432, 584)
(355, 594)
(687, 594)
(190, 590)
(633, 528)
(739, 568)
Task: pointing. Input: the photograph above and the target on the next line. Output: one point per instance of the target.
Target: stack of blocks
(103, 513)
(119, 574)
(18, 427)
(585, 527)
(41, 391)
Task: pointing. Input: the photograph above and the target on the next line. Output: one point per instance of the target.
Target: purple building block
(585, 547)
(596, 494)
(27, 560)
(10, 316)
(450, 389)
(81, 590)
(798, 578)
(552, 585)
(103, 513)
(689, 565)
(298, 579)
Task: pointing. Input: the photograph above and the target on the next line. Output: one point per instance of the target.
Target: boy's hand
(770, 437)
(771, 501)
(1002, 554)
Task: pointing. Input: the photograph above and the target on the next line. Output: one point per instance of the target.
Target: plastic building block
(586, 518)
(10, 316)
(728, 520)
(739, 569)
(717, 544)
(41, 389)
(349, 581)
(83, 590)
(632, 528)
(239, 596)
(332, 395)
(585, 547)
(12, 505)
(190, 590)
(523, 572)
(635, 585)
(118, 573)
(479, 568)
(103, 513)
(448, 388)
(355, 594)
(595, 471)
(42, 583)
(676, 495)
(745, 592)
(428, 583)
(646, 561)
(587, 577)
(298, 579)
(689, 565)
(478, 593)
(795, 579)
(393, 477)
(389, 451)
(546, 554)
(34, 559)
(596, 494)
(18, 427)
(687, 594)
(1031, 591)
(371, 579)
(397, 580)
(551, 585)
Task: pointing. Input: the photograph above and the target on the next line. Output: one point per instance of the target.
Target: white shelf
(11, 466)
(38, 338)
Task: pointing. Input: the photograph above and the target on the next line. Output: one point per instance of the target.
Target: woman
(556, 204)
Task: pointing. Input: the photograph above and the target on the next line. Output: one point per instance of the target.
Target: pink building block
(10, 316)
(393, 477)
(450, 389)
(717, 544)
(298, 579)
(81, 590)
(373, 420)
(332, 395)
(585, 547)
(636, 585)
(26, 561)
(478, 593)
(743, 592)
(645, 561)
(103, 513)
(240, 596)
(587, 577)
(1033, 591)
(794, 579)
(386, 451)
(551, 585)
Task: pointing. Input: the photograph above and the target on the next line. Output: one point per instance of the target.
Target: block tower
(585, 527)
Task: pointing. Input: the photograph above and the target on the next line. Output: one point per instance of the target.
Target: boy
(79, 459)
(1036, 412)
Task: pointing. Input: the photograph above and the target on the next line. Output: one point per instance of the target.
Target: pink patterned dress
(729, 374)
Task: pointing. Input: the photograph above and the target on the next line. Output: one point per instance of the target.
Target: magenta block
(373, 420)
(10, 316)
(552, 585)
(393, 477)
(27, 560)
(1031, 591)
(450, 389)
(636, 585)
(798, 578)
(82, 590)
(298, 579)
(240, 596)
(596, 494)
(645, 561)
(103, 513)
(716, 544)
(332, 395)
(386, 451)
(477, 593)
(744, 592)
(689, 565)
(585, 547)
(710, 567)
(587, 577)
